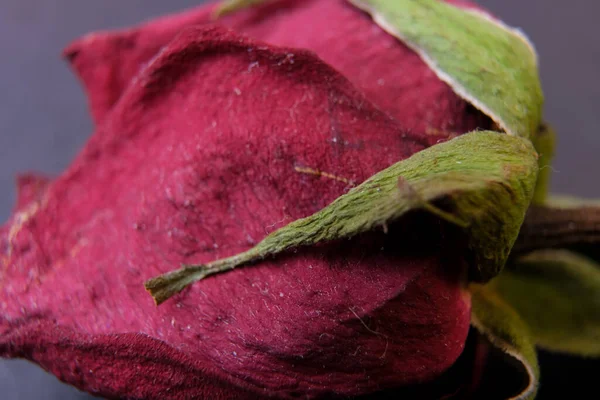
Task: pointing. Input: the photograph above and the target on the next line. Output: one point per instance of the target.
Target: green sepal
(566, 202)
(544, 142)
(557, 293)
(231, 6)
(485, 180)
(498, 322)
(491, 65)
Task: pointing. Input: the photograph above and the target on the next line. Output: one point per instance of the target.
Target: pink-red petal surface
(198, 160)
(391, 75)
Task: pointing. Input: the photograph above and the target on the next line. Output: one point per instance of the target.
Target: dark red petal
(197, 161)
(391, 75)
(127, 365)
(107, 61)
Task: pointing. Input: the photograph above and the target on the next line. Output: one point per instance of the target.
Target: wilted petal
(391, 75)
(30, 187)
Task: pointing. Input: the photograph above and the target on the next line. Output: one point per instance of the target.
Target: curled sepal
(557, 293)
(502, 326)
(481, 181)
(544, 141)
(489, 64)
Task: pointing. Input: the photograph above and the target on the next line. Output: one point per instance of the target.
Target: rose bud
(217, 137)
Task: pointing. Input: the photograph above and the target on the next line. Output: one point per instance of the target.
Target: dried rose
(208, 141)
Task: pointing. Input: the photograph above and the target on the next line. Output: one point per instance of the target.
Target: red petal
(391, 75)
(197, 162)
(30, 187)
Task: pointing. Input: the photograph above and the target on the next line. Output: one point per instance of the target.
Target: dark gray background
(44, 119)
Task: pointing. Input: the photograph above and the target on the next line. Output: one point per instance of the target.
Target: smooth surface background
(44, 119)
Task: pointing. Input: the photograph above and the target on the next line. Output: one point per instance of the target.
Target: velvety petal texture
(390, 74)
(202, 155)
